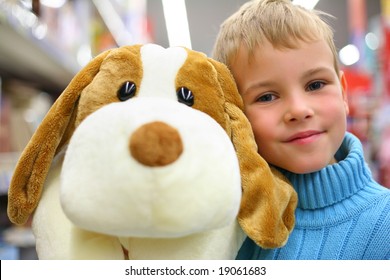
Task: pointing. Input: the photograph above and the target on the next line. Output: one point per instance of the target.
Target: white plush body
(98, 199)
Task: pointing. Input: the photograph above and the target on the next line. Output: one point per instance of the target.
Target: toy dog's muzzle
(144, 167)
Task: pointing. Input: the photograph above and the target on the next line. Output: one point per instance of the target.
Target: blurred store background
(43, 43)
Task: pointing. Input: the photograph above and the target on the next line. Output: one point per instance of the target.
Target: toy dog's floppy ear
(31, 170)
(268, 200)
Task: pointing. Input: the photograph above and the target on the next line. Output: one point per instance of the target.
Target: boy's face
(295, 102)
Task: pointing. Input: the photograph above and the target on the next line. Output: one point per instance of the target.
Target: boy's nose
(298, 109)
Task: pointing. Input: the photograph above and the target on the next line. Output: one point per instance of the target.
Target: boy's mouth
(304, 136)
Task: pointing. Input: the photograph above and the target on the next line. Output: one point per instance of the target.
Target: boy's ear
(344, 87)
(343, 80)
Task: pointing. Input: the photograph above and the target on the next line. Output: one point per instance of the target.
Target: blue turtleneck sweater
(342, 213)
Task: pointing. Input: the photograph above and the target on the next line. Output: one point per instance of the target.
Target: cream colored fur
(99, 198)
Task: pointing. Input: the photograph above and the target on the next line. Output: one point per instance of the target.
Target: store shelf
(26, 57)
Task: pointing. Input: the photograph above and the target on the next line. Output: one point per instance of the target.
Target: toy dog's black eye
(185, 96)
(126, 91)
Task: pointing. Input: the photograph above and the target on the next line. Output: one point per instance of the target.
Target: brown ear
(31, 170)
(268, 199)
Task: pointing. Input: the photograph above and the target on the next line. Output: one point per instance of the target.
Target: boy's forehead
(287, 44)
(268, 63)
(247, 54)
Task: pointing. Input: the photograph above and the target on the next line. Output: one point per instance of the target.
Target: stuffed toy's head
(148, 143)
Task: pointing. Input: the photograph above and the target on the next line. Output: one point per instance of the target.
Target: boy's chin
(299, 168)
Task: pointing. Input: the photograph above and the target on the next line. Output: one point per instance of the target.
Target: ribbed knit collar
(335, 182)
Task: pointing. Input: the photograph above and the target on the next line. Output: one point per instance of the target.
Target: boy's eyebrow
(259, 85)
(306, 74)
(316, 70)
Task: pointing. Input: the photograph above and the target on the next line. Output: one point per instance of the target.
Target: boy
(285, 64)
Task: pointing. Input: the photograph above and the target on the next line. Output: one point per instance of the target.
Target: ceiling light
(177, 23)
(114, 22)
(53, 3)
(372, 41)
(308, 4)
(349, 55)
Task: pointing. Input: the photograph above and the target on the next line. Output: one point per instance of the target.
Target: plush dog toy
(147, 155)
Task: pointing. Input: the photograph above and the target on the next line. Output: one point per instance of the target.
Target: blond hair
(279, 22)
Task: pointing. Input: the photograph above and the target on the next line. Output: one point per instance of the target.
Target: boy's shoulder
(377, 208)
(382, 198)
(378, 222)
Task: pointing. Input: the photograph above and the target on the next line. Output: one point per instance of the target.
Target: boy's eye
(315, 86)
(266, 98)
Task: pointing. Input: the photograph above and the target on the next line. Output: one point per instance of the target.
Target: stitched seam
(347, 237)
(324, 238)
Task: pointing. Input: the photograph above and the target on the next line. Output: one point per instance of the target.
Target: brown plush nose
(156, 144)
